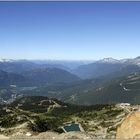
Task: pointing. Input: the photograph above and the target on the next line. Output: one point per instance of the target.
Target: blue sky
(69, 30)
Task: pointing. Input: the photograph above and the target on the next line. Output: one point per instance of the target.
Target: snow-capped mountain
(132, 61)
(109, 60)
(136, 61)
(6, 60)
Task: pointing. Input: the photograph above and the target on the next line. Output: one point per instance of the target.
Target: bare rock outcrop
(130, 127)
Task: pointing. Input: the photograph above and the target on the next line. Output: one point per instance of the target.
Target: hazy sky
(69, 30)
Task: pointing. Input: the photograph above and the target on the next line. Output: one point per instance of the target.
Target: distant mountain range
(78, 82)
(107, 66)
(18, 66)
(37, 77)
(49, 76)
(83, 69)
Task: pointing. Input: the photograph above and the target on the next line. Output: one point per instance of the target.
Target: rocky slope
(130, 128)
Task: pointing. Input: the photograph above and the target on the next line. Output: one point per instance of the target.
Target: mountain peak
(6, 60)
(136, 61)
(137, 57)
(109, 60)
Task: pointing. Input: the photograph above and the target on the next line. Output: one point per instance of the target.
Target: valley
(109, 78)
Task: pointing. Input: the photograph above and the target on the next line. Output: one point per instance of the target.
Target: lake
(72, 127)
